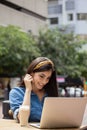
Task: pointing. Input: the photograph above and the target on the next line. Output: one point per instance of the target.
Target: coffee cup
(24, 112)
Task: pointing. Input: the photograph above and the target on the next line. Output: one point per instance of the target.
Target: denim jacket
(16, 97)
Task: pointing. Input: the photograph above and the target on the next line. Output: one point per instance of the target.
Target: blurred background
(53, 28)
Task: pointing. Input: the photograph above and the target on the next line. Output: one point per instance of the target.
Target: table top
(6, 124)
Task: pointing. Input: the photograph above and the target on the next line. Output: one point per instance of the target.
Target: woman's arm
(16, 97)
(28, 85)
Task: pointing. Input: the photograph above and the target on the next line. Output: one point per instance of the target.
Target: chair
(7, 113)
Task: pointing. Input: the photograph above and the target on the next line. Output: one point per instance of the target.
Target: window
(70, 5)
(70, 17)
(55, 9)
(53, 20)
(59, 8)
(82, 16)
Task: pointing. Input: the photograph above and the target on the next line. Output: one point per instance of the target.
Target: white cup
(24, 115)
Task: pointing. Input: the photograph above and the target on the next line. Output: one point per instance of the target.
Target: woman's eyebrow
(45, 76)
(42, 74)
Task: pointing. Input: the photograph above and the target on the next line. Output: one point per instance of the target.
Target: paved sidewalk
(1, 115)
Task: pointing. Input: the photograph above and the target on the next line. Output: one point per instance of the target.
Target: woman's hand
(27, 80)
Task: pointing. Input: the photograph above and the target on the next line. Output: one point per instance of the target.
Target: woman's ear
(32, 74)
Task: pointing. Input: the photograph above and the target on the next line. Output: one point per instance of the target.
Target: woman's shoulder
(17, 90)
(16, 95)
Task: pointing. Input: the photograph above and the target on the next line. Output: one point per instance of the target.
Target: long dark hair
(41, 64)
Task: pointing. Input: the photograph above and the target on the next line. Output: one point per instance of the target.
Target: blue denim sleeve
(16, 96)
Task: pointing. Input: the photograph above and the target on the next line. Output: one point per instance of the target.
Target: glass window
(70, 5)
(70, 17)
(53, 20)
(55, 9)
(82, 16)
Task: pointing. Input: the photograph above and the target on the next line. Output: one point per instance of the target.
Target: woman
(39, 82)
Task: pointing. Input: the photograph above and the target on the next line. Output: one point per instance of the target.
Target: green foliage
(17, 49)
(64, 50)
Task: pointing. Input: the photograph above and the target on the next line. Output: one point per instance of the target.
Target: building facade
(30, 15)
(70, 13)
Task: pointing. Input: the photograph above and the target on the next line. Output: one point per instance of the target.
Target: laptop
(62, 112)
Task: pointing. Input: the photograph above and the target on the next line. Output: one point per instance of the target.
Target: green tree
(17, 49)
(64, 50)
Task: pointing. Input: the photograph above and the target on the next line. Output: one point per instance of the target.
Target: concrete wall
(25, 21)
(38, 6)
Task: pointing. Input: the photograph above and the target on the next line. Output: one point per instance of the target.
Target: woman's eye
(41, 76)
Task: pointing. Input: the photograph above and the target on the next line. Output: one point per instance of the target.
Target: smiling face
(40, 79)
